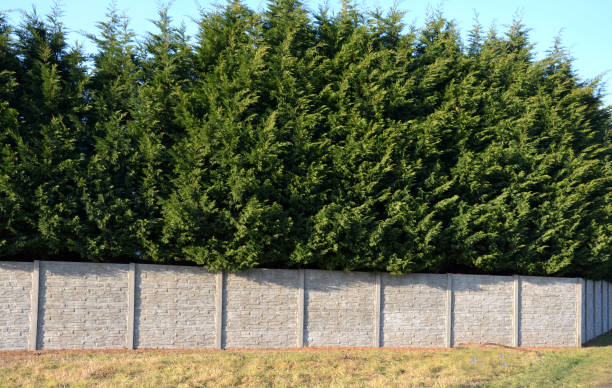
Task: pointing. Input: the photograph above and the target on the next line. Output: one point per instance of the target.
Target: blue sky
(585, 26)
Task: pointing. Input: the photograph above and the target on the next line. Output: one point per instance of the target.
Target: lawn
(463, 366)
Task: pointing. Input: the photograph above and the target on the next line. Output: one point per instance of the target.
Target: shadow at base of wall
(602, 340)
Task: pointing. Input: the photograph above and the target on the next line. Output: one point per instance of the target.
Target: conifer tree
(111, 187)
(166, 67)
(46, 155)
(13, 224)
(217, 214)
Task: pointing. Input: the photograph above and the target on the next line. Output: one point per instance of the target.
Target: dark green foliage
(293, 139)
(43, 105)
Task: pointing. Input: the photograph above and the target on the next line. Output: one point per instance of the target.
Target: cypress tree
(215, 215)
(44, 145)
(111, 186)
(166, 80)
(13, 222)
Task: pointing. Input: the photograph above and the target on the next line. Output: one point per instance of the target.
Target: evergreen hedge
(295, 139)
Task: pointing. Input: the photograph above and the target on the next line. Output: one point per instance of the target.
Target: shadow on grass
(602, 340)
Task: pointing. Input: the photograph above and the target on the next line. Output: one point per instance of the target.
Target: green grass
(469, 366)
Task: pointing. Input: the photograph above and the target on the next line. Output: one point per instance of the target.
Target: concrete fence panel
(174, 307)
(412, 312)
(339, 308)
(609, 287)
(598, 309)
(609, 306)
(548, 305)
(260, 309)
(15, 304)
(482, 309)
(589, 311)
(82, 305)
(605, 304)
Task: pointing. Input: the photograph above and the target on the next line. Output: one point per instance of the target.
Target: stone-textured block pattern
(15, 300)
(82, 305)
(174, 307)
(482, 309)
(413, 310)
(339, 308)
(548, 311)
(260, 309)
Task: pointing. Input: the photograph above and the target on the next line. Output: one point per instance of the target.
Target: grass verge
(464, 366)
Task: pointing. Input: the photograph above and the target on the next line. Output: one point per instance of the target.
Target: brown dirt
(17, 353)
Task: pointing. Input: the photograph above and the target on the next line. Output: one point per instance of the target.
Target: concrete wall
(15, 306)
(89, 306)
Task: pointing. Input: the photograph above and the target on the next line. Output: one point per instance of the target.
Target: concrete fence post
(377, 307)
(219, 310)
(33, 334)
(131, 306)
(300, 311)
(580, 306)
(516, 310)
(448, 340)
